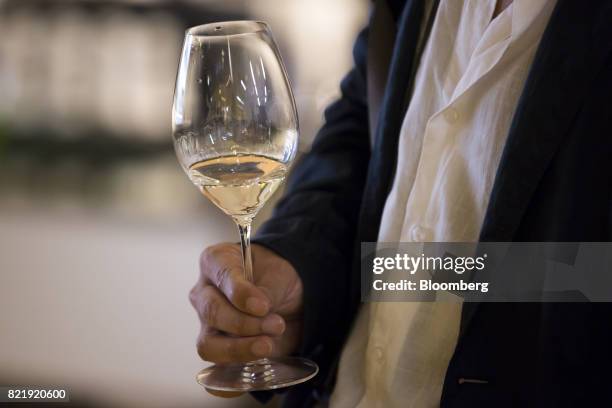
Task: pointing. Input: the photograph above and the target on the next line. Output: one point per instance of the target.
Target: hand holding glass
(235, 132)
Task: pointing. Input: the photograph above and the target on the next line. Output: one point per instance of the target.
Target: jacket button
(451, 115)
(379, 354)
(418, 234)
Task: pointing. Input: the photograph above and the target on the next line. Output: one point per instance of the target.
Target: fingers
(216, 312)
(219, 348)
(237, 323)
(221, 266)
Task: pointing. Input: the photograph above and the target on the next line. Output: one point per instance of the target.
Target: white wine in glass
(235, 132)
(238, 185)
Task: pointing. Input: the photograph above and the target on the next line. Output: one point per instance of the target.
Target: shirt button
(379, 354)
(418, 234)
(451, 115)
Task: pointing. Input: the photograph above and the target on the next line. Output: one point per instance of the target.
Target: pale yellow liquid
(239, 185)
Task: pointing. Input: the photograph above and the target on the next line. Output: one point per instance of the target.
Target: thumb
(284, 294)
(221, 266)
(279, 281)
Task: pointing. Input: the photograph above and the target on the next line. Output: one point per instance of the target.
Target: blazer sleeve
(314, 225)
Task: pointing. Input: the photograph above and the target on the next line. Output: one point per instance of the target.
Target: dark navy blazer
(554, 183)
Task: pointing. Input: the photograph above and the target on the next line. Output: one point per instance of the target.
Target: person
(462, 120)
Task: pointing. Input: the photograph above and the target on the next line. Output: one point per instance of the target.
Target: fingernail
(261, 348)
(273, 324)
(256, 306)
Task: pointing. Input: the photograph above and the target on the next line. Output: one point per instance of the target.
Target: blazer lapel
(381, 39)
(387, 109)
(573, 48)
(387, 113)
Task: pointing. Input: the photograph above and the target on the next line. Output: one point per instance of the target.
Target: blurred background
(100, 230)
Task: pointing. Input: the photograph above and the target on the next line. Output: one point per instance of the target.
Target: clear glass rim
(227, 28)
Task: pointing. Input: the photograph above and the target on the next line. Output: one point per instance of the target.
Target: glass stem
(244, 226)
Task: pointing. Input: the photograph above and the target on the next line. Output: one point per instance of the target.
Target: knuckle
(205, 257)
(209, 255)
(215, 251)
(209, 311)
(194, 295)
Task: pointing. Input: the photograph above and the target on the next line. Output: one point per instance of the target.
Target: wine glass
(235, 132)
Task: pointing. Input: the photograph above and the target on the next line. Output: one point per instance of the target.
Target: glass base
(258, 375)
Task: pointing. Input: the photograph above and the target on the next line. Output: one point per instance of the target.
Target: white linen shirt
(466, 90)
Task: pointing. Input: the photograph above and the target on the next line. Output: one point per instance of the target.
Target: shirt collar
(524, 12)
